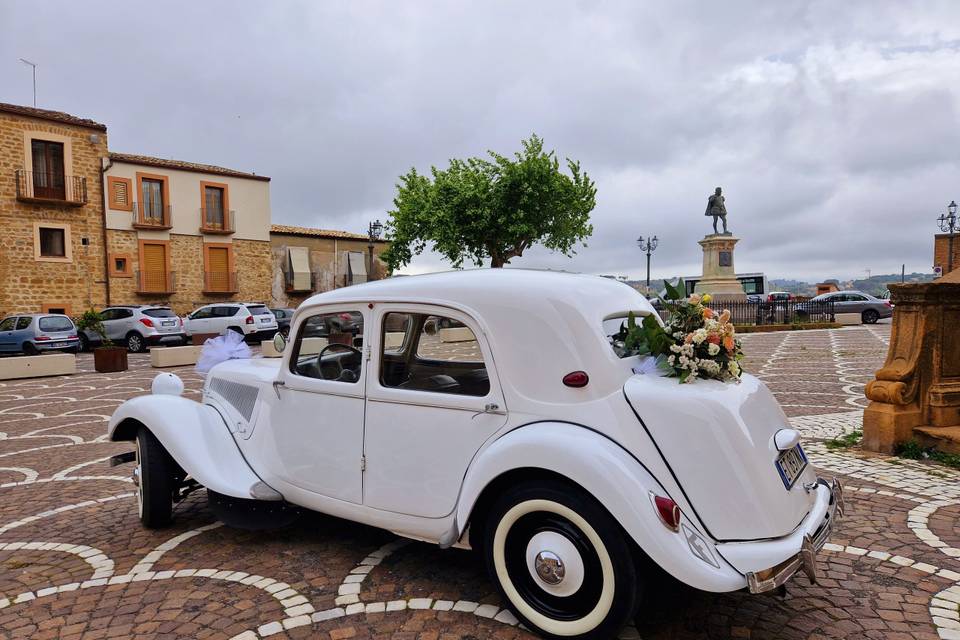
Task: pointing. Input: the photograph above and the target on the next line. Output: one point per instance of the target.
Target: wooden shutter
(120, 196)
(218, 275)
(154, 267)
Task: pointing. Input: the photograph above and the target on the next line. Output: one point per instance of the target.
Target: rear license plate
(168, 323)
(790, 465)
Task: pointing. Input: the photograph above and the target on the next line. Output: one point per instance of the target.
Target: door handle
(490, 407)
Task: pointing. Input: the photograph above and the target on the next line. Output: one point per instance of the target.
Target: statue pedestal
(719, 278)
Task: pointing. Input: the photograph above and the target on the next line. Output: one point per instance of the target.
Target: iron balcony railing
(218, 221)
(36, 186)
(152, 216)
(155, 281)
(220, 282)
(290, 286)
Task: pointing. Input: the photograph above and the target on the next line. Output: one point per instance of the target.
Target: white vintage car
(488, 410)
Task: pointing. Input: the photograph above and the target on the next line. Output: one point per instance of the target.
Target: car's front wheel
(135, 342)
(561, 561)
(155, 479)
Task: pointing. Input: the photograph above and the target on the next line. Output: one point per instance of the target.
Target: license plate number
(790, 465)
(168, 323)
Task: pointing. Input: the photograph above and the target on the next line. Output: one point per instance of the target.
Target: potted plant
(107, 358)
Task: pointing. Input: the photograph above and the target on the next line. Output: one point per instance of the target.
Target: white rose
(699, 335)
(713, 349)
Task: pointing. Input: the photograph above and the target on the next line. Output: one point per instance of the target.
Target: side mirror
(279, 342)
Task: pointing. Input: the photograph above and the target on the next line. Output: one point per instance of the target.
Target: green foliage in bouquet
(90, 321)
(694, 341)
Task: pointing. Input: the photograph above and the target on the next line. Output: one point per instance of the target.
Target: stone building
(308, 261)
(185, 234)
(51, 211)
(941, 251)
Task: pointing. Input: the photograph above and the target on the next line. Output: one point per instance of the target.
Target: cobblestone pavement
(75, 563)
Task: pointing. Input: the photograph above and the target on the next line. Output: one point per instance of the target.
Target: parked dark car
(870, 309)
(284, 316)
(32, 333)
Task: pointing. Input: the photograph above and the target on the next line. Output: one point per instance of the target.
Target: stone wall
(29, 285)
(327, 262)
(941, 244)
(252, 262)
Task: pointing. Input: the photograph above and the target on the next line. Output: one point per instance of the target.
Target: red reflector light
(71, 337)
(249, 319)
(42, 338)
(887, 303)
(576, 379)
(668, 511)
(147, 322)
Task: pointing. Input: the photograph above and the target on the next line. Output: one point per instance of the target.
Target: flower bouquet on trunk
(695, 341)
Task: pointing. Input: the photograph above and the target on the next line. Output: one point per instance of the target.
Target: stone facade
(327, 251)
(30, 282)
(941, 249)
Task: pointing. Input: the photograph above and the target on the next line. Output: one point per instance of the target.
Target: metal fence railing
(779, 312)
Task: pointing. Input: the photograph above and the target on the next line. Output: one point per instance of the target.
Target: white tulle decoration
(648, 366)
(229, 346)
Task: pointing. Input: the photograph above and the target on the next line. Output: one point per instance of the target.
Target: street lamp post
(948, 224)
(373, 234)
(648, 246)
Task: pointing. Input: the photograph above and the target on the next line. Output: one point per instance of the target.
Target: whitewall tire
(562, 563)
(155, 478)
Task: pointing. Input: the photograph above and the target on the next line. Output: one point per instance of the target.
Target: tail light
(886, 303)
(249, 319)
(180, 321)
(41, 338)
(147, 322)
(668, 511)
(576, 379)
(71, 337)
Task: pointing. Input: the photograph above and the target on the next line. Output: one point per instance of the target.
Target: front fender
(618, 481)
(195, 436)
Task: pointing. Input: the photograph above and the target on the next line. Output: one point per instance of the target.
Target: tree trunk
(496, 263)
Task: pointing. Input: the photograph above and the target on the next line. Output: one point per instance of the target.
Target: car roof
(37, 315)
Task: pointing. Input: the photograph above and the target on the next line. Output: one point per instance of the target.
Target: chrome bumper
(806, 559)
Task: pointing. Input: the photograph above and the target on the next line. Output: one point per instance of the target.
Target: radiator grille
(243, 397)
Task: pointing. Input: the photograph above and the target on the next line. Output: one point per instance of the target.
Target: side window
(120, 314)
(327, 347)
(431, 353)
(202, 314)
(24, 323)
(225, 312)
(8, 324)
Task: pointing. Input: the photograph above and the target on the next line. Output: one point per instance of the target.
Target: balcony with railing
(152, 216)
(151, 282)
(216, 221)
(51, 188)
(291, 284)
(220, 282)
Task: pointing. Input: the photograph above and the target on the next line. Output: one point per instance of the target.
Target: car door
(432, 403)
(314, 443)
(23, 331)
(124, 321)
(7, 326)
(858, 303)
(199, 321)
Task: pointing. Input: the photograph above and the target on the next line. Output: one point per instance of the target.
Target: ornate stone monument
(719, 277)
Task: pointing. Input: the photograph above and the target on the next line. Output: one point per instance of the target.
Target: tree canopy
(496, 208)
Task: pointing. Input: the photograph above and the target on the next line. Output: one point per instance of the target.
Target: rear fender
(196, 437)
(618, 481)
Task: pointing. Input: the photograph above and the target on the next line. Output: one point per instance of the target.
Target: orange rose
(707, 312)
(725, 316)
(713, 338)
(729, 344)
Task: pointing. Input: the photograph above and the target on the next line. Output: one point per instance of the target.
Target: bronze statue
(717, 209)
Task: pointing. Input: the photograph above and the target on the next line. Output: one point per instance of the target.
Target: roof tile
(150, 161)
(46, 114)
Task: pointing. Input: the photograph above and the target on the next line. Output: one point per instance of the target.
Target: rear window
(55, 323)
(258, 309)
(159, 313)
(615, 329)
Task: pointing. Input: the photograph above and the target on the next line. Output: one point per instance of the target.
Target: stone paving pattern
(75, 563)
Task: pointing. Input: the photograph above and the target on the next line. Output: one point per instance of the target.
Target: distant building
(828, 286)
(307, 261)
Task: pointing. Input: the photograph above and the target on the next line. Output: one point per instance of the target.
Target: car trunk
(164, 320)
(262, 316)
(718, 440)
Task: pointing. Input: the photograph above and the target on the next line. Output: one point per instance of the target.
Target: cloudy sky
(832, 127)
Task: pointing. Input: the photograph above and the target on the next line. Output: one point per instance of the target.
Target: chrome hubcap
(549, 567)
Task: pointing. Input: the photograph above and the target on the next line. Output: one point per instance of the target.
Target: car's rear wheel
(135, 342)
(84, 343)
(870, 316)
(30, 349)
(562, 563)
(155, 478)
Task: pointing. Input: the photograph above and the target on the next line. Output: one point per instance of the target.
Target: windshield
(159, 313)
(56, 323)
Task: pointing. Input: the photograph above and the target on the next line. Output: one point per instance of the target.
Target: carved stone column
(917, 392)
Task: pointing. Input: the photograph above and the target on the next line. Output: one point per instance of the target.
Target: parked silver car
(870, 309)
(31, 333)
(137, 326)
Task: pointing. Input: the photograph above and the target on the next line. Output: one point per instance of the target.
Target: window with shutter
(120, 190)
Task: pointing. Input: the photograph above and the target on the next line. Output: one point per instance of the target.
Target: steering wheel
(338, 362)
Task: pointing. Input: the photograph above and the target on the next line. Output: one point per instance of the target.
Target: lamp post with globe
(948, 224)
(373, 234)
(648, 246)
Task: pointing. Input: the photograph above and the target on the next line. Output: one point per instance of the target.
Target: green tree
(491, 208)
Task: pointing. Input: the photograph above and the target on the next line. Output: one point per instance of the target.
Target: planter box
(200, 338)
(174, 356)
(312, 346)
(456, 334)
(110, 359)
(849, 318)
(393, 339)
(267, 350)
(55, 364)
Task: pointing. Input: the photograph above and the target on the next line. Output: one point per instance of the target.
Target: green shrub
(90, 320)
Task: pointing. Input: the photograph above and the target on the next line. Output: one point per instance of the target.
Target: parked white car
(487, 409)
(254, 321)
